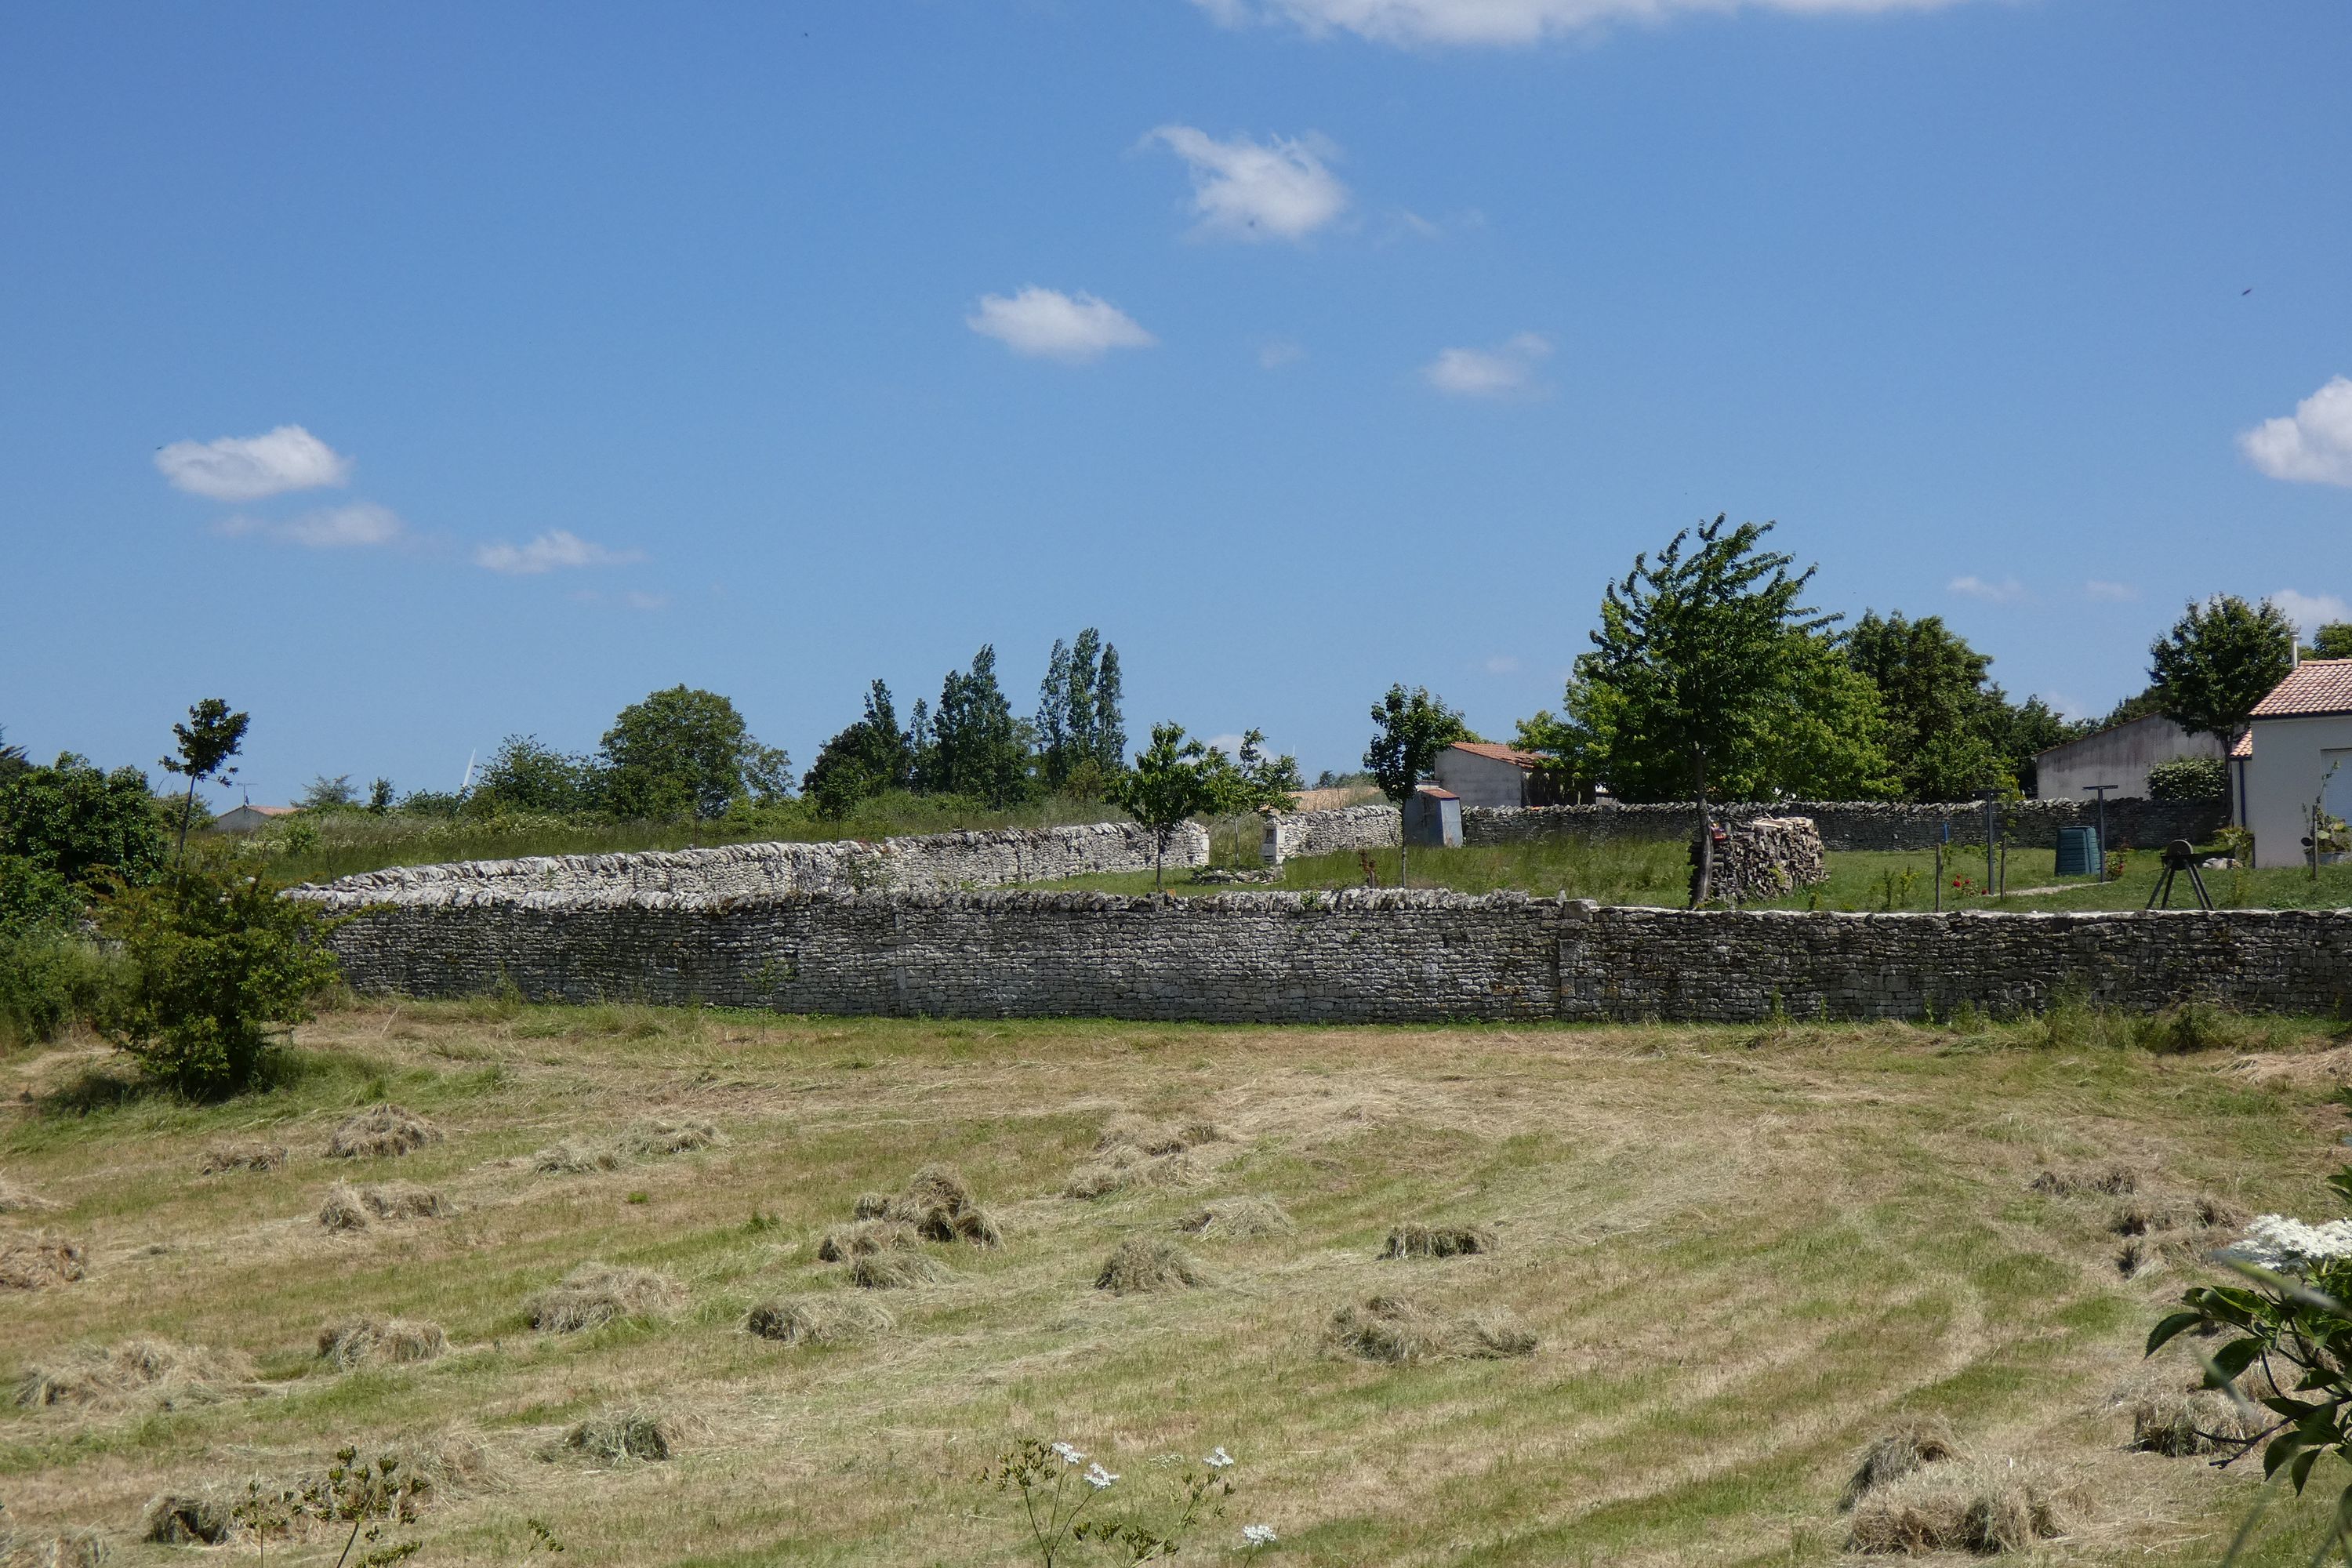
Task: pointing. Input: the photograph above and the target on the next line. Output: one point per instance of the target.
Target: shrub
(2189, 778)
(47, 979)
(215, 961)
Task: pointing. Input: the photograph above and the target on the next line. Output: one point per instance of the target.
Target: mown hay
(2160, 1216)
(595, 1294)
(353, 1208)
(1958, 1507)
(970, 1224)
(134, 1371)
(652, 1140)
(831, 1320)
(379, 1131)
(1236, 1219)
(873, 1206)
(938, 1206)
(187, 1518)
(1438, 1241)
(74, 1549)
(939, 1187)
(1154, 1139)
(449, 1461)
(40, 1260)
(15, 1199)
(1145, 1263)
(1398, 1330)
(242, 1155)
(569, 1159)
(894, 1271)
(625, 1433)
(2179, 1419)
(2112, 1180)
(1134, 1151)
(1891, 1456)
(845, 1243)
(370, 1338)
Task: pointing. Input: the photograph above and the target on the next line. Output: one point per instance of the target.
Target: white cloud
(2310, 611)
(1280, 353)
(2007, 591)
(248, 467)
(1229, 745)
(1046, 324)
(2315, 446)
(2115, 592)
(358, 526)
(555, 548)
(1282, 189)
(1507, 22)
(1509, 370)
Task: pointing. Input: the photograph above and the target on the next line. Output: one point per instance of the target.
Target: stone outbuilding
(2120, 755)
(246, 817)
(2296, 755)
(1485, 774)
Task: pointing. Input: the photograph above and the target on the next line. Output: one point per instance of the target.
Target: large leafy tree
(2333, 640)
(1173, 779)
(205, 744)
(868, 758)
(974, 746)
(686, 753)
(2220, 658)
(1952, 732)
(526, 774)
(1410, 727)
(1081, 738)
(79, 825)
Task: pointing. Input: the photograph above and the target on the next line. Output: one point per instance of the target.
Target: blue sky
(410, 376)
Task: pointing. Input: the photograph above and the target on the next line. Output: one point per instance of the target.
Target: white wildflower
(2289, 1246)
(1069, 1454)
(1218, 1459)
(1098, 1478)
(1257, 1535)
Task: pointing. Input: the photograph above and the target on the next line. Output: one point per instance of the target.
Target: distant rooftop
(2317, 686)
(1511, 754)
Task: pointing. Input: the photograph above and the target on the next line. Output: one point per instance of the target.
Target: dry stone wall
(1371, 956)
(1299, 834)
(982, 859)
(1858, 824)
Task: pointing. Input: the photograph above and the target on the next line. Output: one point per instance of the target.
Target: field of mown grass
(1743, 1254)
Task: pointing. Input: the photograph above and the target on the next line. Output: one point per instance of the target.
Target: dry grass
(70, 1548)
(1141, 1264)
(370, 1338)
(1982, 1507)
(2173, 1413)
(1134, 1151)
(658, 1138)
(1438, 1241)
(1893, 1455)
(2109, 1181)
(1237, 1219)
(188, 1519)
(378, 1131)
(2163, 1216)
(350, 1208)
(133, 1371)
(937, 1206)
(621, 1434)
(595, 1294)
(571, 1159)
(242, 1155)
(40, 1260)
(895, 1270)
(846, 1244)
(828, 1320)
(1398, 1330)
(15, 1199)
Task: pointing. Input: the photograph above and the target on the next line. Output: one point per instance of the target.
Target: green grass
(1743, 1252)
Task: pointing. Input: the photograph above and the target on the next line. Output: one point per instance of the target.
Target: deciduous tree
(2220, 658)
(1410, 729)
(684, 753)
(1171, 781)
(207, 743)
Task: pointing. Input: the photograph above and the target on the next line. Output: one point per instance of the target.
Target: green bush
(47, 979)
(213, 960)
(2189, 778)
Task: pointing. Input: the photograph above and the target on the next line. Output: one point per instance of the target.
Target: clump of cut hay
(873, 1206)
(894, 1271)
(653, 1138)
(370, 1338)
(971, 1225)
(187, 1518)
(1395, 1329)
(242, 1155)
(15, 1199)
(378, 1131)
(818, 1320)
(74, 1549)
(1145, 1263)
(1135, 1153)
(353, 1208)
(2113, 1180)
(132, 1372)
(1156, 1139)
(1891, 1456)
(441, 1463)
(1236, 1219)
(1958, 1507)
(39, 1261)
(595, 1294)
(1438, 1241)
(938, 1206)
(864, 1239)
(2169, 1416)
(568, 1159)
(621, 1434)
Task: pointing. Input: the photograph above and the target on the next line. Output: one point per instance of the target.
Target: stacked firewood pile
(1762, 857)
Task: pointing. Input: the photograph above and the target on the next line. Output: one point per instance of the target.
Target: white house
(2297, 753)
(2119, 755)
(1483, 774)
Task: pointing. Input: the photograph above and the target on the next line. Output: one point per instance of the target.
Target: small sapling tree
(207, 743)
(1170, 781)
(1413, 727)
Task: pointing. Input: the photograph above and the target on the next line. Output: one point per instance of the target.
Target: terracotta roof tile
(2245, 745)
(1501, 754)
(2315, 686)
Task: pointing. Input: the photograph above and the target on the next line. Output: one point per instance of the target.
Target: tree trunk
(187, 814)
(1159, 853)
(1704, 887)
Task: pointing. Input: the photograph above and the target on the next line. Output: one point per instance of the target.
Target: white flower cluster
(1068, 1455)
(1258, 1535)
(1217, 1459)
(2288, 1246)
(1098, 1478)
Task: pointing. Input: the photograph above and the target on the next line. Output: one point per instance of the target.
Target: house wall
(2120, 756)
(2287, 772)
(1481, 781)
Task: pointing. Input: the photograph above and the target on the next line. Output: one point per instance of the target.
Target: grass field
(1742, 1255)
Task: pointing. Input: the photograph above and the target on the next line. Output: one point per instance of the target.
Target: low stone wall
(1299, 834)
(981, 859)
(1356, 957)
(1859, 825)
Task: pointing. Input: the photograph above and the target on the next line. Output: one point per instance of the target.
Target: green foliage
(49, 978)
(214, 961)
(34, 897)
(1256, 780)
(1173, 780)
(379, 799)
(686, 753)
(1081, 735)
(2189, 778)
(325, 794)
(76, 822)
(1952, 733)
(2220, 658)
(525, 775)
(871, 757)
(1056, 1496)
(1412, 727)
(205, 744)
(972, 745)
(2333, 640)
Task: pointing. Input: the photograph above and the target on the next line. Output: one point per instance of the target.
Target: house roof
(2315, 686)
(1435, 792)
(263, 810)
(1510, 754)
(2079, 739)
(2244, 746)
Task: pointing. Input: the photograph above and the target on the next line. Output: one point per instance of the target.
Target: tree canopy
(686, 753)
(1173, 780)
(870, 757)
(2219, 658)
